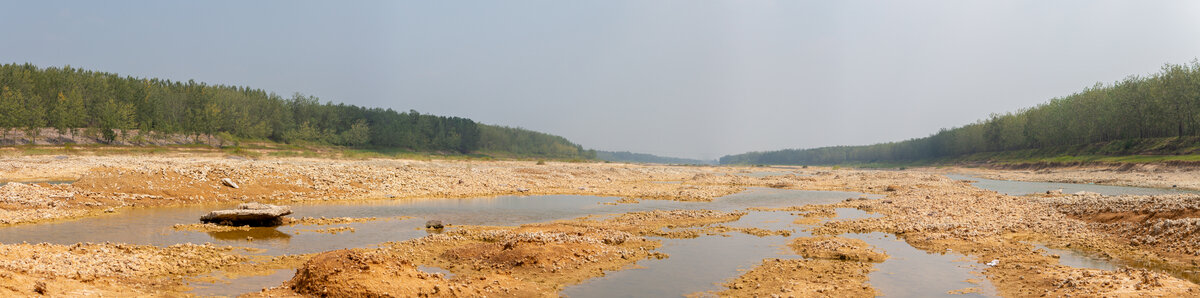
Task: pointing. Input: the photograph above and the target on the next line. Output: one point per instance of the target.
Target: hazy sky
(688, 78)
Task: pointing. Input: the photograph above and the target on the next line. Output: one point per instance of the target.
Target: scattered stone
(522, 189)
(434, 224)
(251, 214)
(39, 287)
(229, 182)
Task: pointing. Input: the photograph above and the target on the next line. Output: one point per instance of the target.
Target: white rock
(229, 182)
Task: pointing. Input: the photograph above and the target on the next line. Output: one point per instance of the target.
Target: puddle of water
(695, 265)
(246, 284)
(2, 183)
(1078, 259)
(768, 174)
(910, 272)
(1017, 188)
(1082, 259)
(431, 269)
(702, 264)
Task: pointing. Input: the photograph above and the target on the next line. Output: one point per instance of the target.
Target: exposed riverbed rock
(229, 182)
(434, 224)
(251, 214)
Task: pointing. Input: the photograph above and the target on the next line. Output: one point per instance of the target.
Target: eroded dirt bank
(929, 211)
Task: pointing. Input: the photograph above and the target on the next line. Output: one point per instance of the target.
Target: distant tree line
(626, 156)
(526, 143)
(1164, 104)
(72, 99)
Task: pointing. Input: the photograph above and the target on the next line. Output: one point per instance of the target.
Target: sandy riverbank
(929, 211)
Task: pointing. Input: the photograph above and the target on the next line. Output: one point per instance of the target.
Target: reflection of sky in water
(1077, 259)
(769, 174)
(2, 183)
(154, 225)
(910, 272)
(1017, 188)
(703, 264)
(694, 265)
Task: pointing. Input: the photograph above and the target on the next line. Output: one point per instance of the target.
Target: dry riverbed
(927, 210)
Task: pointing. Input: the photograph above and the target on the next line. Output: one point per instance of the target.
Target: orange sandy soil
(530, 260)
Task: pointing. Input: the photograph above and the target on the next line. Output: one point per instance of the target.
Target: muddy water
(153, 226)
(693, 265)
(1017, 188)
(1078, 259)
(2, 183)
(242, 285)
(768, 174)
(910, 272)
(700, 265)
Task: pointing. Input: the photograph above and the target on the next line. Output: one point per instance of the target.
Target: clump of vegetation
(541, 162)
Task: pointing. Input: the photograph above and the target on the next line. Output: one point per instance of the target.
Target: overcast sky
(697, 79)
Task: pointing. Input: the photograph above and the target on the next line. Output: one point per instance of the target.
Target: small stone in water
(434, 224)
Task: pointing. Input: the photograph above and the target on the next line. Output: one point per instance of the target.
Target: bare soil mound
(356, 273)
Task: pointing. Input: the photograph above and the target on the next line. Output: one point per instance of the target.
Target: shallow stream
(1017, 188)
(695, 265)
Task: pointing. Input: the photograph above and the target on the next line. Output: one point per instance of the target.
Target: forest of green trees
(1161, 105)
(72, 99)
(626, 156)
